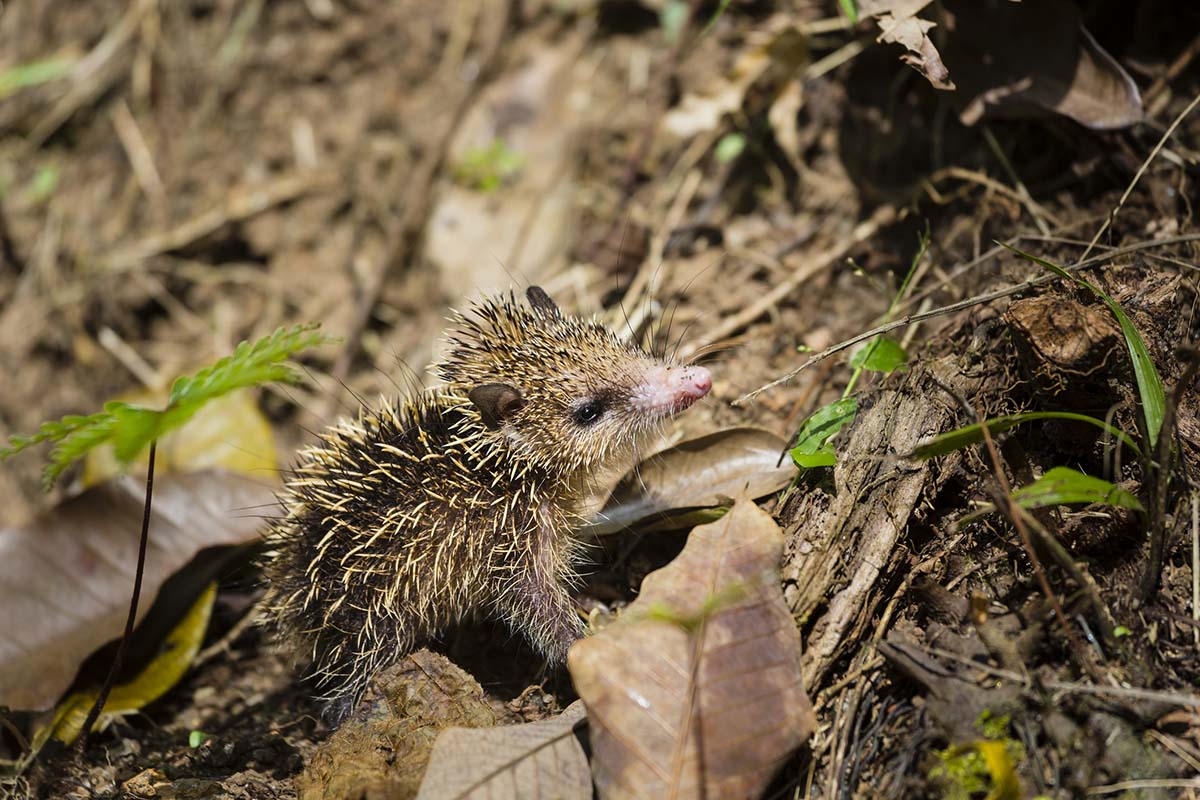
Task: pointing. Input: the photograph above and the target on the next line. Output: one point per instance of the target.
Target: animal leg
(537, 604)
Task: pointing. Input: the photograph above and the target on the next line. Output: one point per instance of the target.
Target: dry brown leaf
(899, 24)
(65, 577)
(697, 691)
(381, 752)
(1027, 56)
(697, 473)
(537, 760)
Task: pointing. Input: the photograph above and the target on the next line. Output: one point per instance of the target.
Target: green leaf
(131, 428)
(136, 428)
(1150, 386)
(1065, 486)
(883, 354)
(43, 184)
(197, 738)
(850, 9)
(98, 429)
(812, 442)
(973, 434)
(250, 365)
(672, 18)
(22, 76)
(486, 169)
(730, 147)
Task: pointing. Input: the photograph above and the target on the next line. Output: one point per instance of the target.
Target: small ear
(496, 402)
(542, 303)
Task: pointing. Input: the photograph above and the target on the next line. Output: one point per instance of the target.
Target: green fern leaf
(131, 428)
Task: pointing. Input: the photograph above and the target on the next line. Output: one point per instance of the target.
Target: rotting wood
(839, 546)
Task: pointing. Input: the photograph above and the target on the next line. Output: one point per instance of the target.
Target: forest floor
(210, 170)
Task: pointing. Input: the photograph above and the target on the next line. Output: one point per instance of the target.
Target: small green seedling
(814, 446)
(486, 169)
(131, 428)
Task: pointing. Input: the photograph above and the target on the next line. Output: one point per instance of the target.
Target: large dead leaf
(1021, 57)
(696, 692)
(702, 472)
(65, 577)
(381, 751)
(536, 760)
(899, 24)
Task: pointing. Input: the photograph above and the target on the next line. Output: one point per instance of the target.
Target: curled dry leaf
(537, 760)
(899, 24)
(65, 576)
(706, 471)
(382, 750)
(697, 691)
(1018, 57)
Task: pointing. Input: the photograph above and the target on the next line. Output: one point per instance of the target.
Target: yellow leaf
(1005, 783)
(163, 672)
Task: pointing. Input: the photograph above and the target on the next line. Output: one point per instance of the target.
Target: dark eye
(589, 412)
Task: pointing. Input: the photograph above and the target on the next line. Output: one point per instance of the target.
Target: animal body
(464, 498)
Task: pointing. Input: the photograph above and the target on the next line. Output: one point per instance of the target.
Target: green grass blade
(22, 76)
(1150, 386)
(1065, 486)
(973, 434)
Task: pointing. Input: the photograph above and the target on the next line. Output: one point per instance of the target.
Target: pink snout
(692, 384)
(669, 390)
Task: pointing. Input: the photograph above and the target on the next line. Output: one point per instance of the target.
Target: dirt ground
(213, 170)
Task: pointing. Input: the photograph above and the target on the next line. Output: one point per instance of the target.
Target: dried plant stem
(1161, 471)
(123, 647)
(1141, 170)
(884, 215)
(1014, 514)
(962, 305)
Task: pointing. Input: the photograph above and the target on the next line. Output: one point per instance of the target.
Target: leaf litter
(206, 264)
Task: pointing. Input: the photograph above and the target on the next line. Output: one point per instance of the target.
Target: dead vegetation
(749, 182)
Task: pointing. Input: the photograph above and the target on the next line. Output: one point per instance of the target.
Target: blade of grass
(973, 434)
(1065, 486)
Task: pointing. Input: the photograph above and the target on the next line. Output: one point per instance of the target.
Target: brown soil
(232, 167)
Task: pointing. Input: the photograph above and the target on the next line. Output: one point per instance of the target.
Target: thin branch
(964, 304)
(1018, 521)
(1141, 170)
(884, 215)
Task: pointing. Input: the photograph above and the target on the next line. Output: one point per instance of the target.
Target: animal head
(562, 392)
